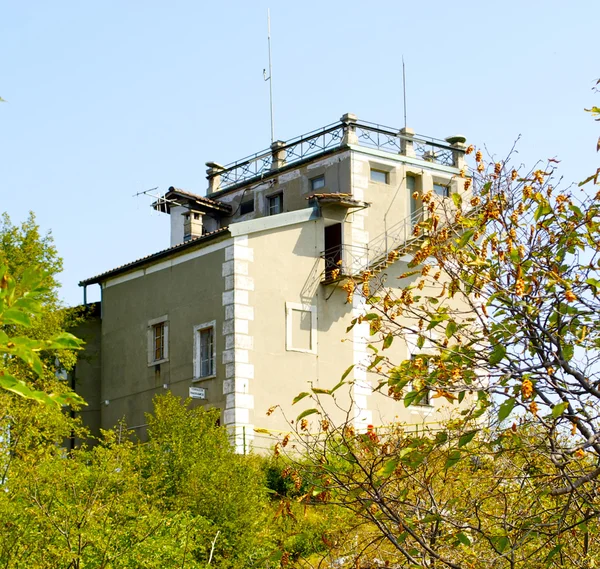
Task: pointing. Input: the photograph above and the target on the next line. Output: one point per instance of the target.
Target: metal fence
(362, 133)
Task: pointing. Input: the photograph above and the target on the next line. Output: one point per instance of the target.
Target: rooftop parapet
(348, 131)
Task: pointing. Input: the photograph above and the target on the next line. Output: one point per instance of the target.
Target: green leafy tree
(183, 499)
(21, 354)
(33, 322)
(193, 467)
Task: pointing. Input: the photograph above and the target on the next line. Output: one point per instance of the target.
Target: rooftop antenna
(160, 200)
(270, 77)
(404, 88)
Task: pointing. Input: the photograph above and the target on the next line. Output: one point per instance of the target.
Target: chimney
(176, 213)
(214, 176)
(192, 225)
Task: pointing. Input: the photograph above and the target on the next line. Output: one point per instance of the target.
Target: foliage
(504, 302)
(183, 499)
(33, 341)
(18, 304)
(193, 467)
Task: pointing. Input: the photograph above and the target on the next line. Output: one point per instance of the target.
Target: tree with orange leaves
(512, 480)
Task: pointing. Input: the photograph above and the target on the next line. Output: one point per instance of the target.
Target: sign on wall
(197, 392)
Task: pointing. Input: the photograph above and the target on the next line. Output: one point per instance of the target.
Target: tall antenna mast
(404, 88)
(270, 77)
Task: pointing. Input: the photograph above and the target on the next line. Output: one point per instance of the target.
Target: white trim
(329, 161)
(112, 281)
(289, 341)
(362, 388)
(197, 360)
(273, 221)
(423, 164)
(238, 341)
(158, 320)
(150, 339)
(412, 350)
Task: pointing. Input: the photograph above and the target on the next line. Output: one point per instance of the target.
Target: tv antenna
(160, 202)
(404, 88)
(270, 77)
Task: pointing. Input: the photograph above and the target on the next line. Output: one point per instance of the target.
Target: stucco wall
(86, 376)
(294, 184)
(189, 294)
(286, 270)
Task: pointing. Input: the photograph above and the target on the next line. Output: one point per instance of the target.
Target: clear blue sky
(106, 99)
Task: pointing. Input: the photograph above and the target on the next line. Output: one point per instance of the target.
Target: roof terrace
(347, 132)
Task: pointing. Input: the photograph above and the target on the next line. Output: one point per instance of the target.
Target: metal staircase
(357, 262)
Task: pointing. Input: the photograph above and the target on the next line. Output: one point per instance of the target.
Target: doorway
(333, 249)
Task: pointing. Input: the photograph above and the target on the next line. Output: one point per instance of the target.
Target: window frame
(153, 326)
(289, 340)
(446, 193)
(319, 178)
(279, 201)
(197, 359)
(386, 176)
(424, 401)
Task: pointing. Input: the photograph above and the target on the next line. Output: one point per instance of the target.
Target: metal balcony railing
(336, 135)
(352, 261)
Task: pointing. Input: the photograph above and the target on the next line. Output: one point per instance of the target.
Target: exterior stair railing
(353, 261)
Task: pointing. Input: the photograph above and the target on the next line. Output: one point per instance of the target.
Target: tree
(21, 354)
(33, 341)
(512, 339)
(183, 499)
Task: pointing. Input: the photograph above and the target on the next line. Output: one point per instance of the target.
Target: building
(247, 304)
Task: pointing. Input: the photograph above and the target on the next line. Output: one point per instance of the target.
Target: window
(424, 397)
(158, 340)
(247, 206)
(275, 204)
(411, 186)
(317, 183)
(418, 383)
(441, 190)
(204, 350)
(380, 176)
(301, 328)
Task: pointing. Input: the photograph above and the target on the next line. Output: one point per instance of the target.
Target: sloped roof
(188, 198)
(154, 257)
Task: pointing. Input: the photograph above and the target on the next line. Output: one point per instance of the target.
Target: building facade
(246, 308)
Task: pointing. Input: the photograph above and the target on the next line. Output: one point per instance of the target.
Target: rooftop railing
(348, 131)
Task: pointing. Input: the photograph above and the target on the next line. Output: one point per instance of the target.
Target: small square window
(247, 207)
(441, 190)
(158, 340)
(317, 183)
(275, 204)
(204, 350)
(380, 176)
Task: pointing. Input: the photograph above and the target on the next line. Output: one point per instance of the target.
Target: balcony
(352, 261)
